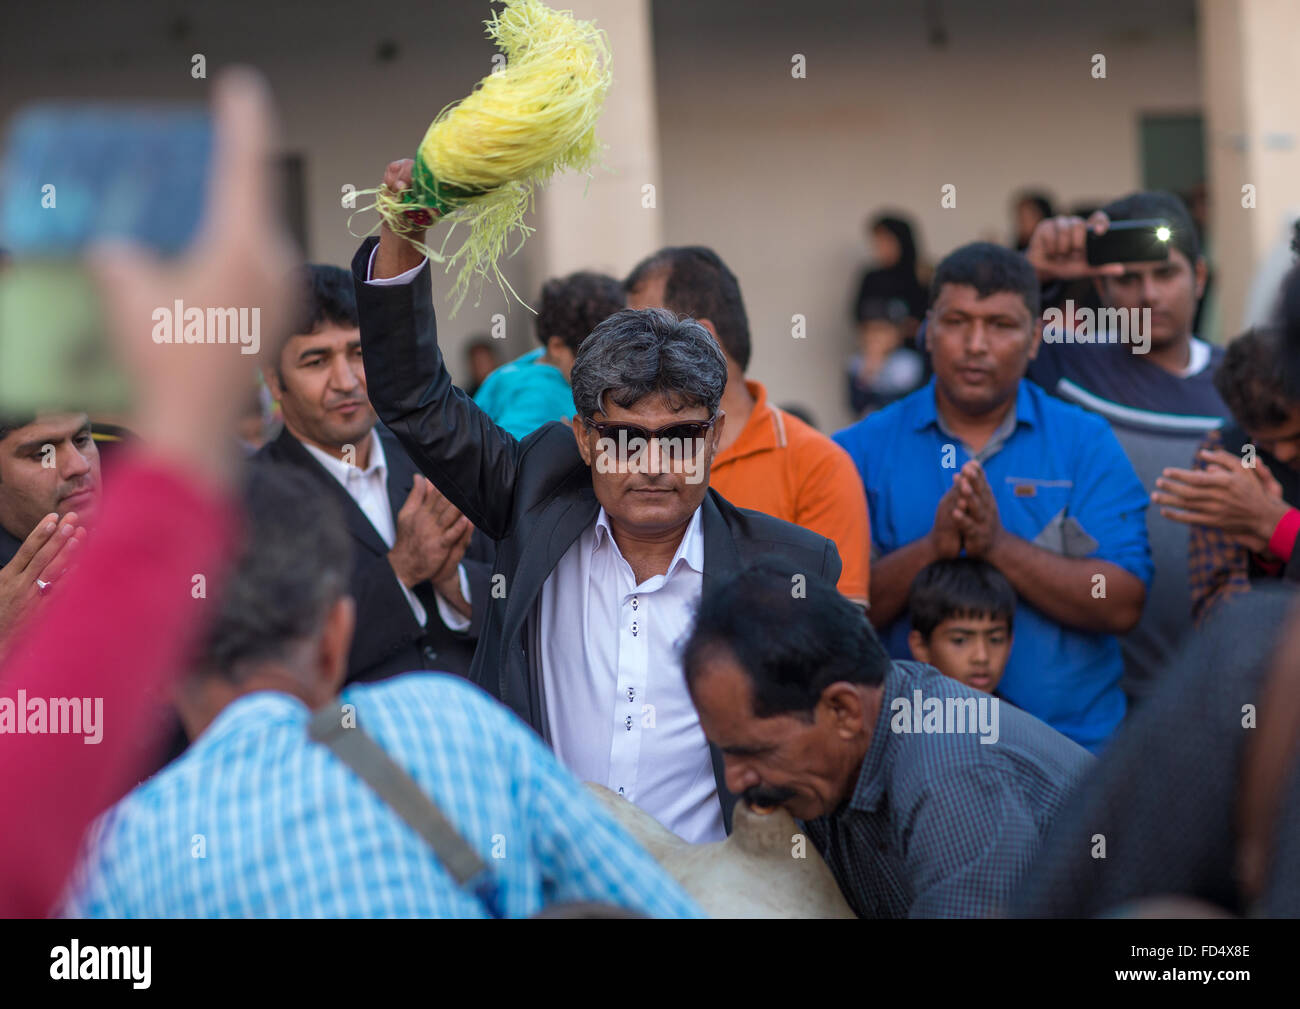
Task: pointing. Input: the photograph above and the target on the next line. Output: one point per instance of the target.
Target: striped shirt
(1160, 419)
(255, 820)
(941, 824)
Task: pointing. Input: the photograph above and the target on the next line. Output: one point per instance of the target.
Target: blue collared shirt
(950, 806)
(1061, 481)
(255, 820)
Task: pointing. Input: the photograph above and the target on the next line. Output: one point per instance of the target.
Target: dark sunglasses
(676, 441)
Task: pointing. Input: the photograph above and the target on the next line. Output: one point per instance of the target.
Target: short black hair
(9, 423)
(1040, 201)
(698, 283)
(990, 269)
(1160, 204)
(571, 307)
(293, 566)
(1252, 380)
(326, 297)
(959, 587)
(322, 296)
(791, 631)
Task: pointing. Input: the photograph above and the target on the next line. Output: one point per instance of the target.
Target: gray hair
(635, 353)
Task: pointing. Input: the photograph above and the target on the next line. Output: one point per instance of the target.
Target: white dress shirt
(617, 705)
(616, 701)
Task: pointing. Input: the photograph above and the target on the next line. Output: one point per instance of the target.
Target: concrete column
(602, 224)
(1250, 77)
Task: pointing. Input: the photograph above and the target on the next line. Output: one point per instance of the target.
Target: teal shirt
(524, 394)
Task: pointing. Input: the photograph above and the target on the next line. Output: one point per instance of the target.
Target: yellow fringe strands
(483, 157)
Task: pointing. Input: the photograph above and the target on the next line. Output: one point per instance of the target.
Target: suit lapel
(721, 557)
(401, 472)
(559, 525)
(358, 525)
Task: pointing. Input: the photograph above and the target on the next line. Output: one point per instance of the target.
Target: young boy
(961, 611)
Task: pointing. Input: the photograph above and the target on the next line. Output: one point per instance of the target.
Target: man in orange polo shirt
(767, 460)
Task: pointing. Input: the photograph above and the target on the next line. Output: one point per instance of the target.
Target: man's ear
(920, 651)
(718, 427)
(844, 704)
(580, 436)
(1202, 273)
(335, 642)
(271, 376)
(713, 332)
(561, 356)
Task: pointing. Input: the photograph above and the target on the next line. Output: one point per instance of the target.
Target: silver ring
(42, 586)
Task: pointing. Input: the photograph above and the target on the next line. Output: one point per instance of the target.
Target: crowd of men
(937, 638)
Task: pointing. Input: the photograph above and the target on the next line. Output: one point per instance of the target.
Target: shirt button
(634, 602)
(634, 628)
(628, 723)
(620, 789)
(631, 693)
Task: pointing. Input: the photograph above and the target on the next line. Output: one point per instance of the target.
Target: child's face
(973, 650)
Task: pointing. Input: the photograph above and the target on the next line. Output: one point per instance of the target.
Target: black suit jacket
(533, 497)
(388, 640)
(8, 547)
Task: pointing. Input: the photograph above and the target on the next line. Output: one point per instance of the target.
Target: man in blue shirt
(533, 390)
(984, 463)
(258, 820)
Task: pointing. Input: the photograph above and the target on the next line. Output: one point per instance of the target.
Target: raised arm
(454, 443)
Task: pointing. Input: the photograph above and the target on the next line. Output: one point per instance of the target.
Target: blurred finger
(36, 539)
(239, 196)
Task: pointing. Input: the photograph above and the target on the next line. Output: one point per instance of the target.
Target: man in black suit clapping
(409, 579)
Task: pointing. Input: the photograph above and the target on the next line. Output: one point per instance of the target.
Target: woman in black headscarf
(893, 276)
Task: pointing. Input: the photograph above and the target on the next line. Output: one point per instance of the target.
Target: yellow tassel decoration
(483, 157)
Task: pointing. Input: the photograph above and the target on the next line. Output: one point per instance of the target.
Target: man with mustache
(1158, 393)
(607, 530)
(49, 492)
(407, 574)
(984, 463)
(809, 713)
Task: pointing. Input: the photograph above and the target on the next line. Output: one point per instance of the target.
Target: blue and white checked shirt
(255, 820)
(941, 825)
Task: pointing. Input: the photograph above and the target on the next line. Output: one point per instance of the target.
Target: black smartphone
(72, 174)
(1144, 241)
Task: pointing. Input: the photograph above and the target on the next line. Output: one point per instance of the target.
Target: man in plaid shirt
(257, 820)
(1240, 496)
(926, 798)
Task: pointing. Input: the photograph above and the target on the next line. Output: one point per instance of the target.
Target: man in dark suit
(408, 578)
(606, 530)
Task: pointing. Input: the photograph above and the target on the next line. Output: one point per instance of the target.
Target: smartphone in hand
(1143, 241)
